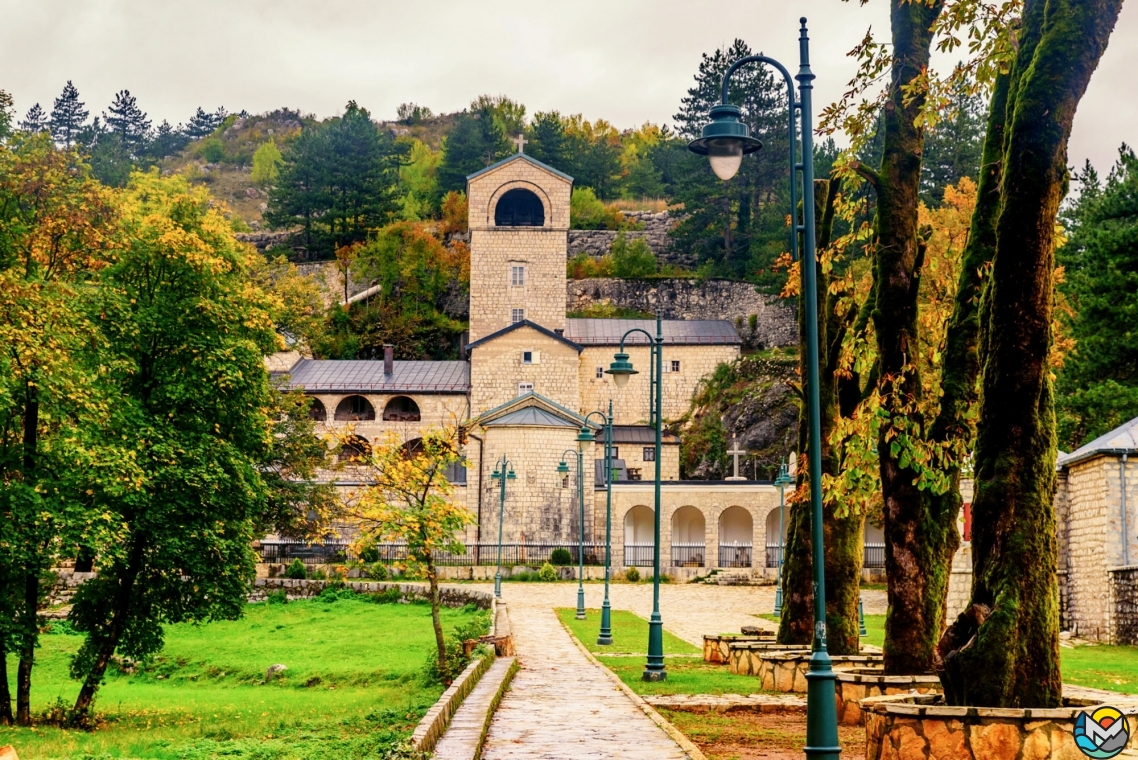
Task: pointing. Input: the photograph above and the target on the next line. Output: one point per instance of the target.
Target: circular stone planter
(857, 684)
(715, 648)
(921, 726)
(786, 671)
(743, 658)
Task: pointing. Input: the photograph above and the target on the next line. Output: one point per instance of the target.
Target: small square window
(525, 388)
(517, 315)
(527, 357)
(517, 276)
(600, 373)
(675, 365)
(649, 453)
(616, 452)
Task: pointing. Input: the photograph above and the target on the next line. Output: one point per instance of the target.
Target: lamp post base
(604, 639)
(580, 602)
(498, 585)
(654, 676)
(821, 709)
(654, 670)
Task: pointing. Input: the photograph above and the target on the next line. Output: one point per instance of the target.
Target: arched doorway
(354, 450)
(775, 545)
(688, 537)
(736, 531)
(519, 208)
(638, 537)
(873, 539)
(401, 409)
(355, 409)
(316, 410)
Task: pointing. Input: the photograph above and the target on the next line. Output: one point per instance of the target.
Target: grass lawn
(352, 687)
(687, 672)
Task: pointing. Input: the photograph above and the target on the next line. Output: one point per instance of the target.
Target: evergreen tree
(474, 143)
(5, 114)
(35, 121)
(168, 141)
(68, 116)
(953, 147)
(128, 121)
(202, 124)
(547, 139)
(1098, 381)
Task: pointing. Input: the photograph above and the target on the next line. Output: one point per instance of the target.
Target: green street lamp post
(782, 481)
(585, 436)
(621, 370)
(725, 141)
(604, 638)
(503, 471)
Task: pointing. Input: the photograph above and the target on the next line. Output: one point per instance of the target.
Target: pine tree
(5, 114)
(128, 121)
(953, 146)
(474, 143)
(67, 116)
(202, 124)
(35, 121)
(167, 141)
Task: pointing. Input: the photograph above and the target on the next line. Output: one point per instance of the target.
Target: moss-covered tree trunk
(5, 694)
(1005, 653)
(842, 536)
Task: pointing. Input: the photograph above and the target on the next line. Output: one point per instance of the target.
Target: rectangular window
(600, 373)
(525, 388)
(616, 452)
(649, 453)
(517, 276)
(527, 357)
(517, 315)
(675, 365)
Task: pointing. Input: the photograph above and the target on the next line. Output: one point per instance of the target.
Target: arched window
(638, 537)
(355, 448)
(688, 529)
(519, 208)
(316, 410)
(401, 409)
(355, 409)
(736, 528)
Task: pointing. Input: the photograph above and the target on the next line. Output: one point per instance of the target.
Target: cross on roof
(736, 452)
(520, 141)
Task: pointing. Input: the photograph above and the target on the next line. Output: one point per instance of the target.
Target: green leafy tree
(475, 142)
(267, 162)
(418, 181)
(509, 116)
(1097, 388)
(587, 212)
(592, 152)
(68, 115)
(632, 258)
(186, 335)
(168, 141)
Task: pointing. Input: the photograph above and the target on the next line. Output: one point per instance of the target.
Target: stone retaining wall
(717, 649)
(787, 672)
(67, 581)
(598, 243)
(435, 722)
(449, 596)
(921, 727)
(743, 659)
(853, 686)
(1124, 606)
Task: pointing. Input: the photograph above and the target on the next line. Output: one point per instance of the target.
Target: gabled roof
(524, 323)
(531, 416)
(366, 376)
(531, 400)
(516, 157)
(1122, 440)
(607, 332)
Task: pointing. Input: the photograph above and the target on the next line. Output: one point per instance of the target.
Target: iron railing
(734, 555)
(774, 553)
(285, 551)
(874, 556)
(638, 555)
(688, 555)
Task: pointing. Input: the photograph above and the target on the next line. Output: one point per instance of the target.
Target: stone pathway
(560, 705)
(460, 742)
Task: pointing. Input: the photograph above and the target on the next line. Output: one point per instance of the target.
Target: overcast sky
(628, 61)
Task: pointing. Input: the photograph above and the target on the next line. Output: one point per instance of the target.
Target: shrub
(278, 597)
(632, 575)
(560, 556)
(213, 150)
(632, 258)
(587, 212)
(296, 570)
(583, 266)
(267, 161)
(369, 554)
(377, 572)
(334, 592)
(457, 660)
(389, 596)
(319, 575)
(547, 573)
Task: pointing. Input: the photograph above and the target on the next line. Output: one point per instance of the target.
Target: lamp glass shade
(585, 436)
(495, 475)
(563, 468)
(511, 476)
(620, 369)
(726, 156)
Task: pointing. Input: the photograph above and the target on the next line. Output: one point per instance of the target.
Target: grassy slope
(351, 688)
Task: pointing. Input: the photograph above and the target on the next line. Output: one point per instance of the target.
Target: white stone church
(528, 377)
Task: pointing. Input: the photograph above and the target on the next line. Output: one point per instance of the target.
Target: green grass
(687, 672)
(352, 689)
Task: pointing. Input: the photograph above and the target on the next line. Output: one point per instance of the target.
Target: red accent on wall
(968, 521)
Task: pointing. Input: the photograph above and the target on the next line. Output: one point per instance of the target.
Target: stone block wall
(656, 225)
(777, 321)
(1087, 525)
(633, 456)
(1124, 605)
(496, 369)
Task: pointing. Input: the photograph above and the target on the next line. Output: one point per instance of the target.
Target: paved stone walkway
(460, 742)
(562, 706)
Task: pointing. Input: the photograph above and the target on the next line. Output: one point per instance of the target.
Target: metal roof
(366, 376)
(1122, 440)
(639, 434)
(531, 416)
(607, 332)
(515, 157)
(518, 325)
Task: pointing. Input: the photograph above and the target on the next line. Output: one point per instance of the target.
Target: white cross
(520, 141)
(736, 453)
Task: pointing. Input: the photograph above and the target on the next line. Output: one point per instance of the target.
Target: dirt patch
(740, 735)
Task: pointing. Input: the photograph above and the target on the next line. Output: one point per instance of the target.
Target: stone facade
(776, 322)
(1124, 605)
(498, 369)
(655, 229)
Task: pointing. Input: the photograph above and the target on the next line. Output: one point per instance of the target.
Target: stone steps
(467, 729)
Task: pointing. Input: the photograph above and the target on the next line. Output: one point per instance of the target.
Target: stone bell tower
(519, 231)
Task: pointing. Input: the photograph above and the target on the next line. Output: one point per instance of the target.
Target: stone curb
(435, 722)
(676, 735)
(515, 666)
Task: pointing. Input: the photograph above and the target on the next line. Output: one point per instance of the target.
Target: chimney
(388, 359)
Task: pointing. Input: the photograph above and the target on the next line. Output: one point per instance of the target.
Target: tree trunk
(29, 635)
(5, 693)
(436, 621)
(1013, 656)
(120, 614)
(842, 536)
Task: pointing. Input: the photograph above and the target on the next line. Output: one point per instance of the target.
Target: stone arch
(354, 449)
(401, 409)
(316, 410)
(354, 409)
(774, 545)
(639, 529)
(689, 537)
(519, 207)
(736, 534)
(546, 204)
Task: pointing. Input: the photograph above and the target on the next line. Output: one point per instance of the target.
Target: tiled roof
(531, 416)
(515, 157)
(1122, 440)
(639, 434)
(366, 376)
(607, 332)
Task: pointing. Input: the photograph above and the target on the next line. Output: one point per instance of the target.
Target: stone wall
(598, 243)
(497, 367)
(1124, 605)
(679, 298)
(449, 596)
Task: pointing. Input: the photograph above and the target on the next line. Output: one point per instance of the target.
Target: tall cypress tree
(68, 116)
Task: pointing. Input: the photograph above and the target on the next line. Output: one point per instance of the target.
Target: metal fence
(390, 553)
(774, 553)
(638, 555)
(734, 555)
(284, 552)
(874, 556)
(688, 555)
